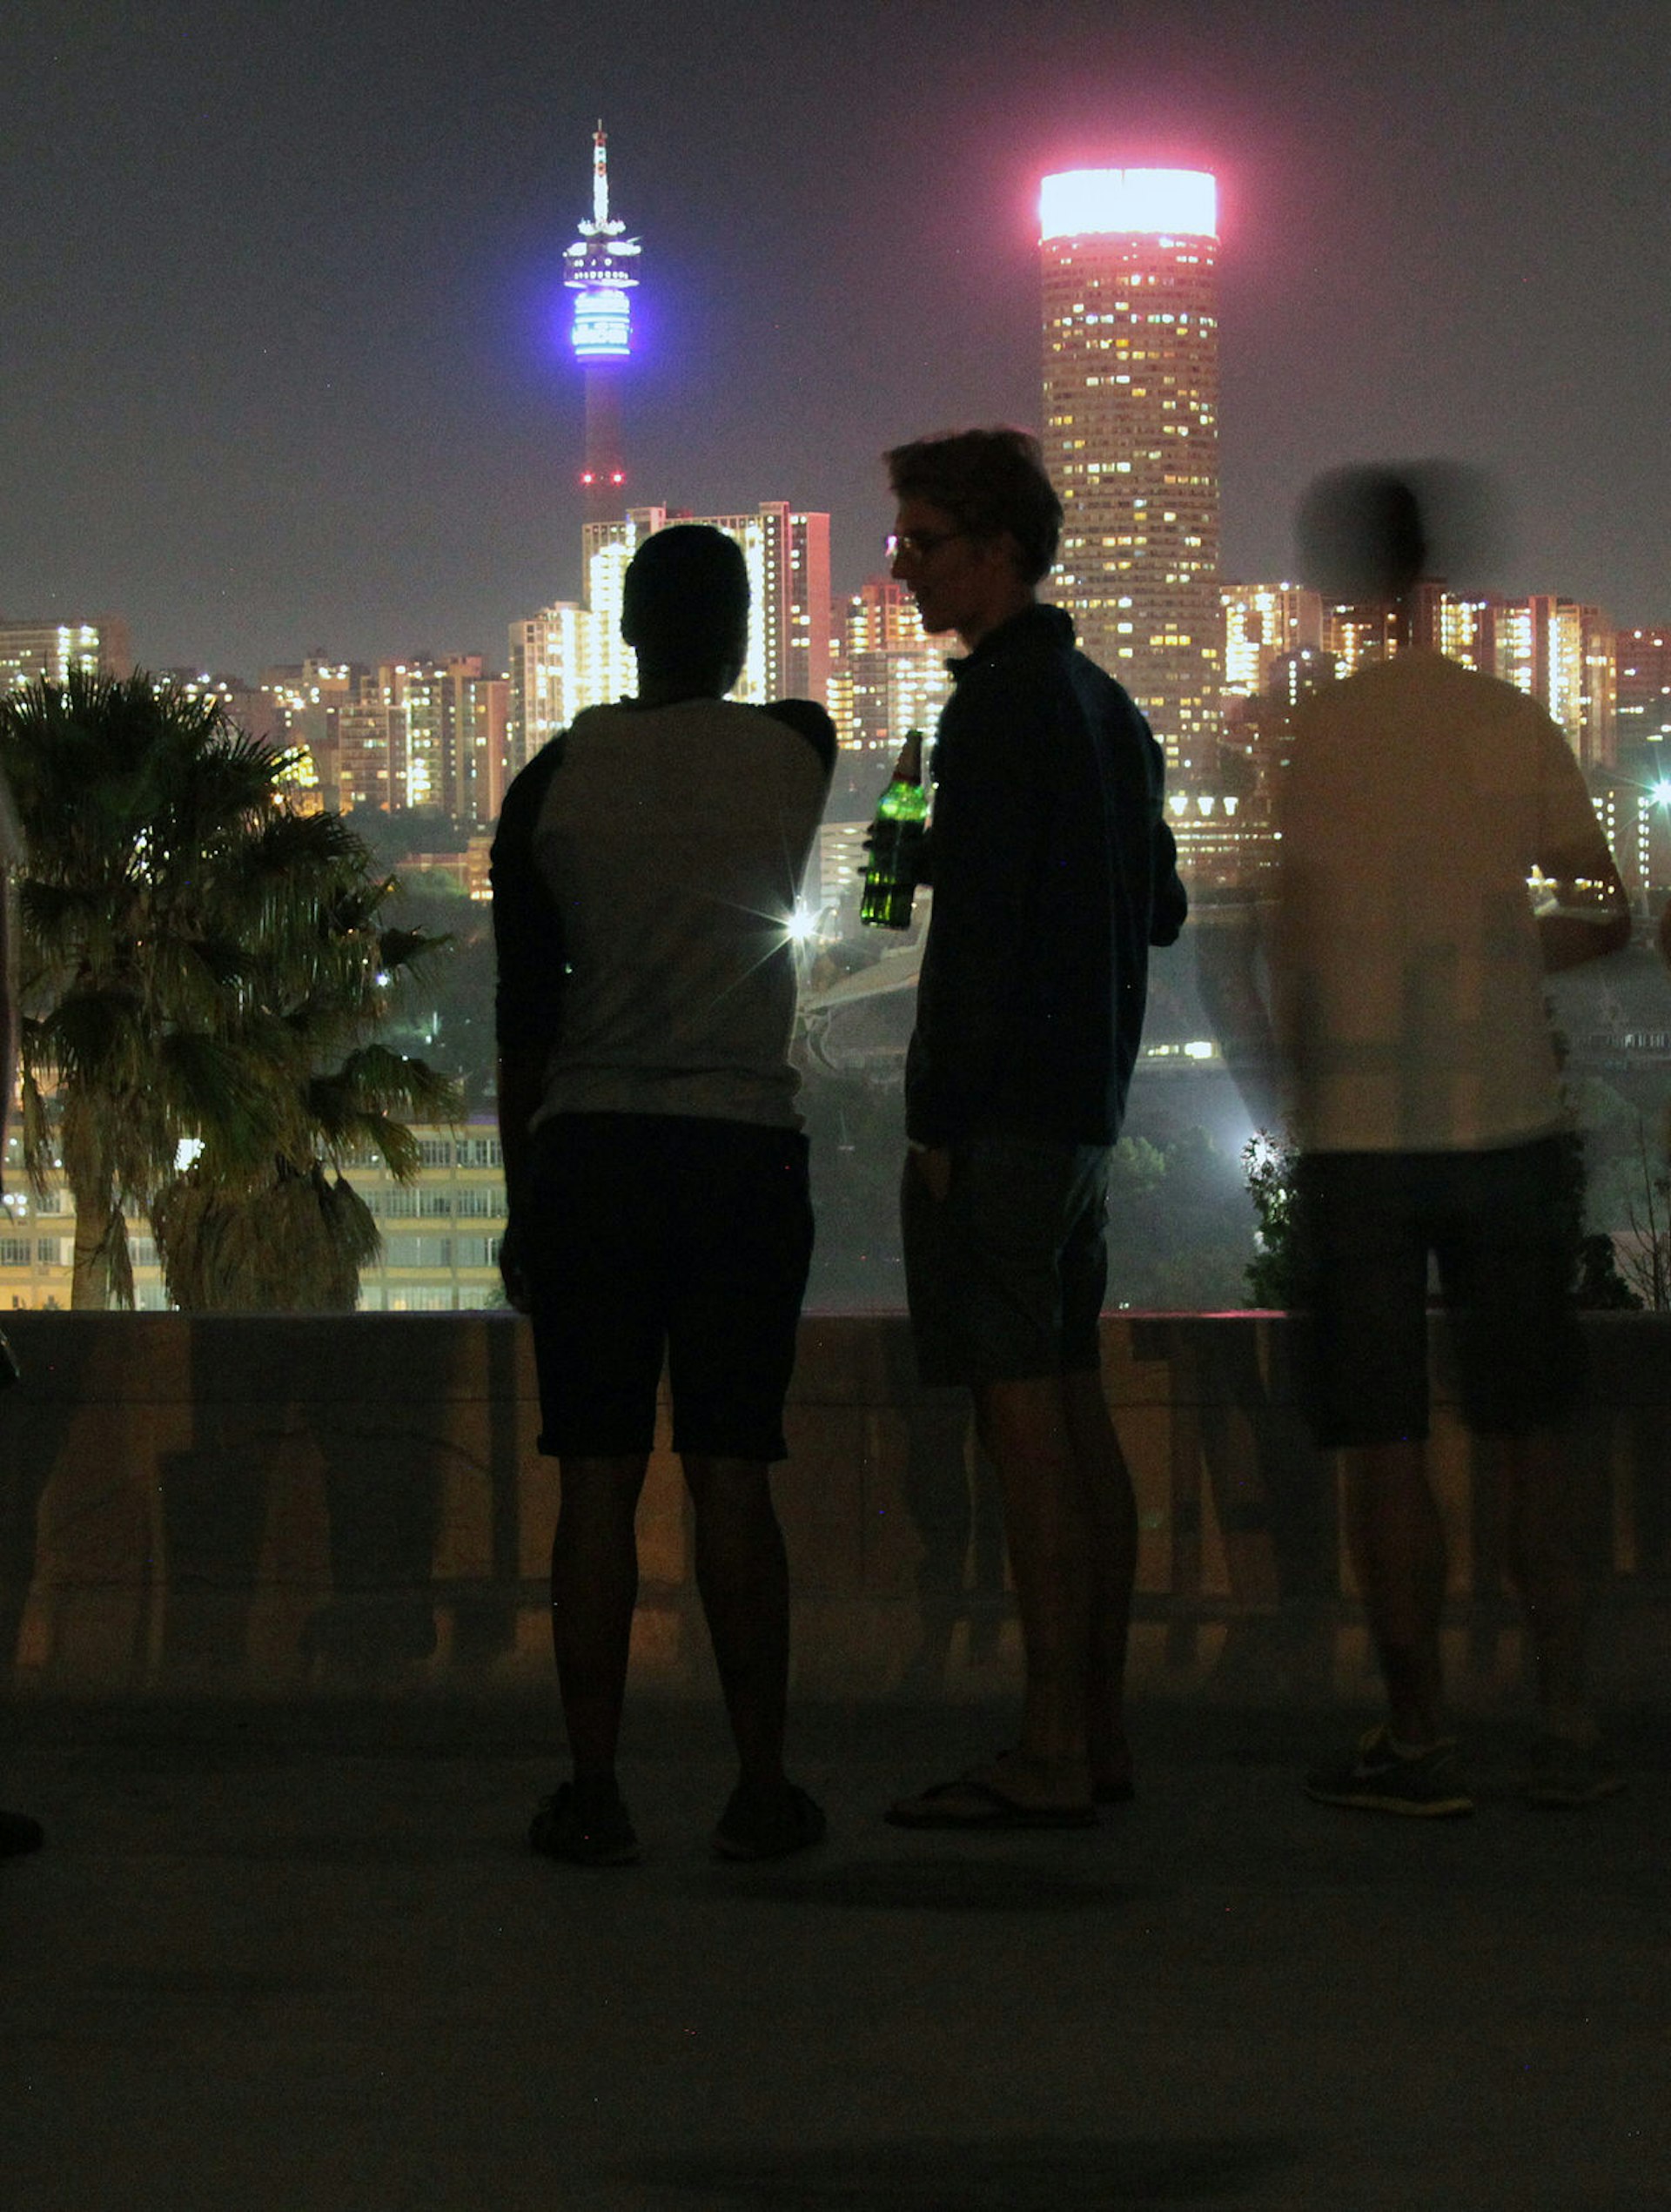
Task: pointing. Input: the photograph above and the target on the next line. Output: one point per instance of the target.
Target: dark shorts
(1502, 1226)
(1005, 1275)
(648, 1235)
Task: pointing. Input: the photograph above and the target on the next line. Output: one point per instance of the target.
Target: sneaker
(18, 1834)
(1427, 1783)
(586, 1824)
(1564, 1773)
(753, 1826)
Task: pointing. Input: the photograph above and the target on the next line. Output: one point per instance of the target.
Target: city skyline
(288, 361)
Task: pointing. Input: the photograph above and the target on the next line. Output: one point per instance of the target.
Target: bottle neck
(909, 767)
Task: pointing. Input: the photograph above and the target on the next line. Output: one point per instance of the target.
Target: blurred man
(1053, 874)
(1407, 973)
(645, 871)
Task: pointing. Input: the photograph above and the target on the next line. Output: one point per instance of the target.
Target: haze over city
(287, 364)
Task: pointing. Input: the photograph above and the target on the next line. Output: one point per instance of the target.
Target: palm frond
(198, 958)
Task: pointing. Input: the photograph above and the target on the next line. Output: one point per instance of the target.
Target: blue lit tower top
(601, 274)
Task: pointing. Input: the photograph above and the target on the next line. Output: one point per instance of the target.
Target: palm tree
(282, 1230)
(193, 954)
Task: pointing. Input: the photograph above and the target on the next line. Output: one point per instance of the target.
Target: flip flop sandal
(1120, 1792)
(969, 1803)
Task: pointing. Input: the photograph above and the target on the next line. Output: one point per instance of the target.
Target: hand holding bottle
(895, 841)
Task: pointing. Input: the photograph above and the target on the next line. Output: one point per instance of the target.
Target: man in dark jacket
(1053, 873)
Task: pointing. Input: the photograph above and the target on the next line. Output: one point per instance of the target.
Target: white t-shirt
(669, 848)
(1406, 976)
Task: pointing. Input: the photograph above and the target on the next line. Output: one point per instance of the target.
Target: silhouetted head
(974, 529)
(684, 610)
(991, 484)
(1362, 534)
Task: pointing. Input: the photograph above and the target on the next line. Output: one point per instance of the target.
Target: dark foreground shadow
(35, 1422)
(937, 1885)
(370, 1395)
(1004, 2173)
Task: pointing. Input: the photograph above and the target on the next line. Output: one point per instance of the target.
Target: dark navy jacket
(1054, 872)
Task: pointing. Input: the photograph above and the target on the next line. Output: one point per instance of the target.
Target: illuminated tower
(600, 275)
(1131, 436)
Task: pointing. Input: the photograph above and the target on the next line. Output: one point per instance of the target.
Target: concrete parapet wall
(241, 1507)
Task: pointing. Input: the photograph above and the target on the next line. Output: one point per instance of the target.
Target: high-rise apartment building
(1465, 629)
(1562, 654)
(308, 701)
(1262, 623)
(1131, 434)
(1642, 695)
(888, 674)
(408, 733)
(252, 707)
(1359, 632)
(30, 651)
(1635, 818)
(446, 725)
(800, 587)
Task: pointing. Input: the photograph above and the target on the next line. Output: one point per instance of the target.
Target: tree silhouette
(199, 961)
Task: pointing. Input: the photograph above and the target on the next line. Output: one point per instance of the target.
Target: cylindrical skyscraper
(600, 275)
(1131, 436)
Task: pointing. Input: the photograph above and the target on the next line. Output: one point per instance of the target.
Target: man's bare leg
(1397, 1543)
(1025, 1430)
(594, 1590)
(1111, 1511)
(744, 1578)
(742, 1573)
(1543, 1520)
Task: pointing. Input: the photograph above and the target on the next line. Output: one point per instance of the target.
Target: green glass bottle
(895, 841)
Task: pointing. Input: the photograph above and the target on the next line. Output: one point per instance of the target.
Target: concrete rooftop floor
(298, 1956)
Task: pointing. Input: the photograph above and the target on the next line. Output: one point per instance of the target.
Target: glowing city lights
(602, 326)
(1179, 203)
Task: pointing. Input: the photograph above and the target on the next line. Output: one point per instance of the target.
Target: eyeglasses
(917, 545)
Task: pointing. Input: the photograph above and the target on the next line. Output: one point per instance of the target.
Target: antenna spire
(600, 177)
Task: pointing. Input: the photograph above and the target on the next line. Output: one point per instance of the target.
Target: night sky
(283, 364)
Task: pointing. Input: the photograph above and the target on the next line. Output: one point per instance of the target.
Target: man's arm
(1586, 913)
(1590, 917)
(520, 1083)
(808, 720)
(1170, 907)
(528, 946)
